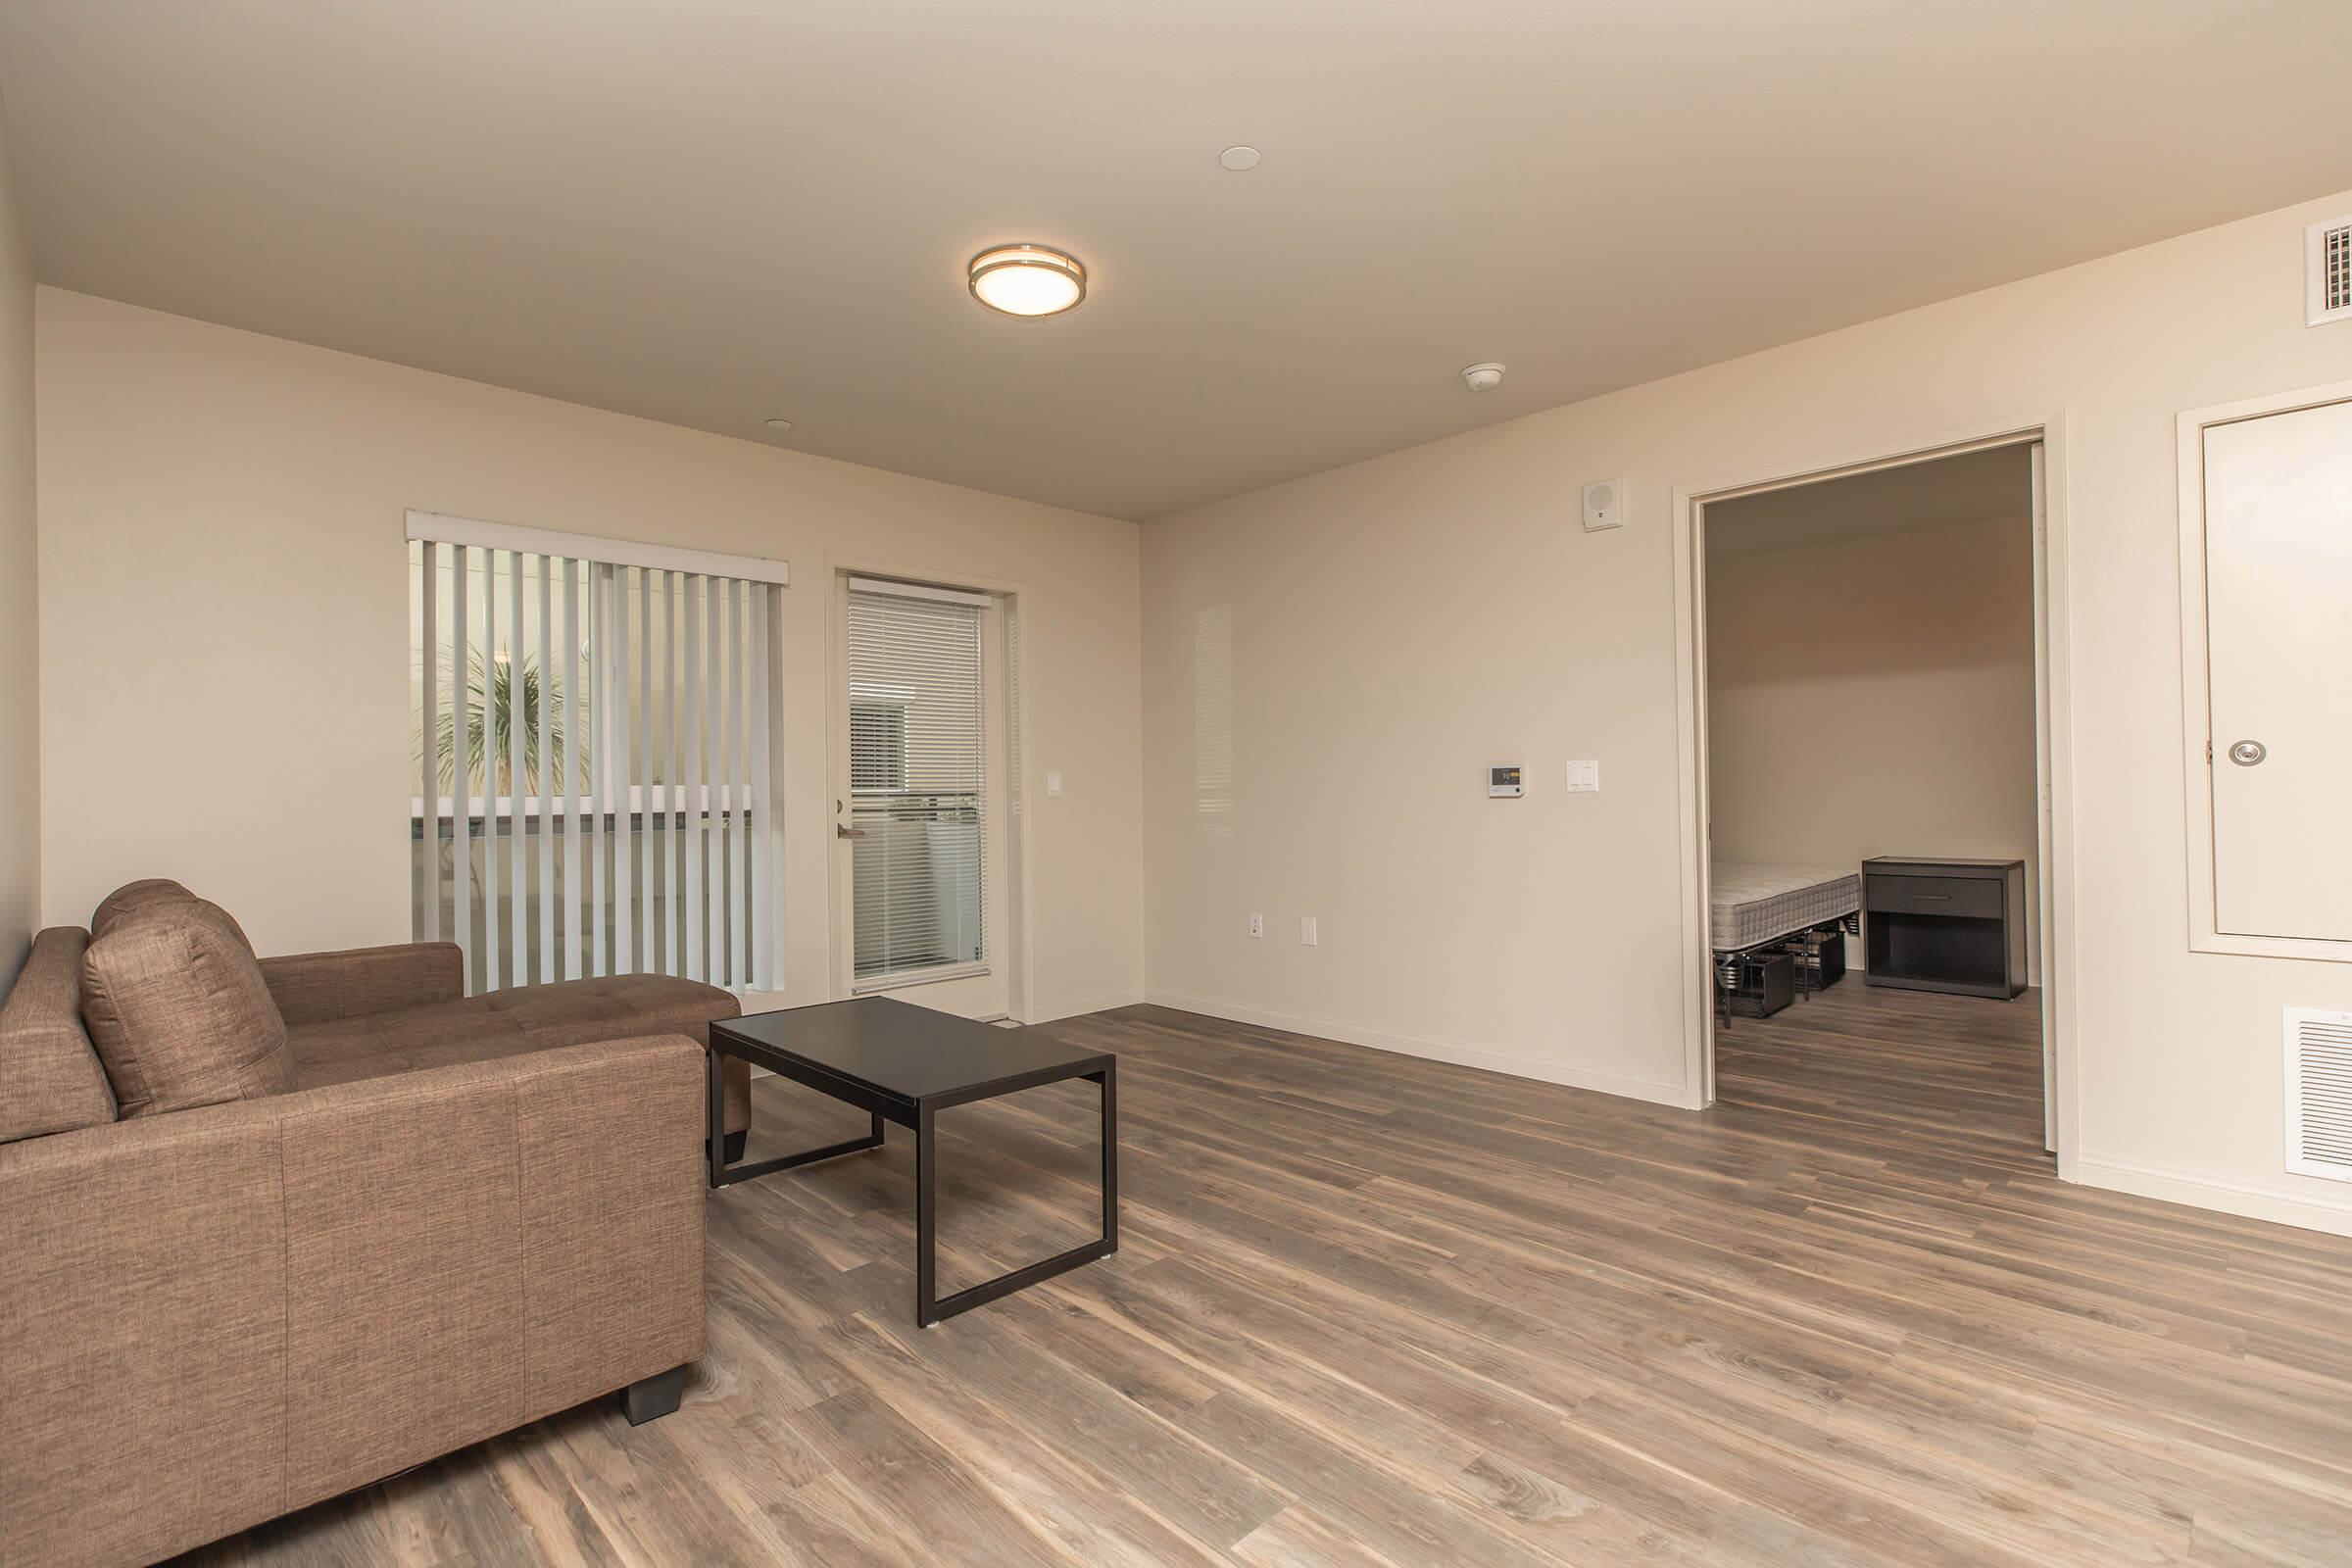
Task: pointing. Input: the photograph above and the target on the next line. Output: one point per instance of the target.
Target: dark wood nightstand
(1946, 925)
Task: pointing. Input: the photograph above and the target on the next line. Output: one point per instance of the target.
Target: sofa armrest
(142, 1334)
(256, 1306)
(316, 986)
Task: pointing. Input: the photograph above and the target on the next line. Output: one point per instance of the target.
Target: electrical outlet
(1307, 930)
(1257, 925)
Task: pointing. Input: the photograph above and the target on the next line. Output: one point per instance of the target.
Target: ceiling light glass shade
(1027, 279)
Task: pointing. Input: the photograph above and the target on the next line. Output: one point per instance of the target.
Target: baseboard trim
(1083, 1006)
(2197, 1190)
(1429, 1050)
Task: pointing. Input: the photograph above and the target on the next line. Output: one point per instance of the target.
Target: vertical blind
(593, 759)
(918, 806)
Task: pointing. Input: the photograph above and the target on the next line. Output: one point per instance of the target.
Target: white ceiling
(1974, 487)
(711, 213)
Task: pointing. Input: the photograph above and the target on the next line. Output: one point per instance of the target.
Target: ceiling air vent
(2319, 1093)
(2330, 247)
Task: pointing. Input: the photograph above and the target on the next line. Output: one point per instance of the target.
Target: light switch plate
(1053, 783)
(1584, 777)
(1307, 930)
(1257, 925)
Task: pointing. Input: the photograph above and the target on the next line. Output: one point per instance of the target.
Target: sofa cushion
(177, 1006)
(50, 1077)
(132, 897)
(375, 1044)
(621, 1007)
(147, 894)
(503, 1024)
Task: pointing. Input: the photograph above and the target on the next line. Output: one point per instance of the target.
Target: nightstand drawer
(1968, 896)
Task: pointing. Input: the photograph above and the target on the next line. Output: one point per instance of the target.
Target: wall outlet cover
(1306, 931)
(1257, 925)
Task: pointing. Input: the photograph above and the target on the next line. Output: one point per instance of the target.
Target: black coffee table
(904, 1064)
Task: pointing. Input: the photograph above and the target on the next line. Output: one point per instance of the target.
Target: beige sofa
(418, 1220)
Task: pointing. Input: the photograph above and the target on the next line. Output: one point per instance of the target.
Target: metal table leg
(725, 1175)
(929, 1309)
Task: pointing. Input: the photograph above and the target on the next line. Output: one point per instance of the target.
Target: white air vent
(2330, 252)
(2319, 1093)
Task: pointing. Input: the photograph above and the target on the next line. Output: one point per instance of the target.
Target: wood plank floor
(1899, 1072)
(1371, 1309)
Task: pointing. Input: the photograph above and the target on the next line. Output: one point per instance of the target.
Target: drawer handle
(1933, 898)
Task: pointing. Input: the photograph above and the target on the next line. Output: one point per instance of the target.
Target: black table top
(905, 1051)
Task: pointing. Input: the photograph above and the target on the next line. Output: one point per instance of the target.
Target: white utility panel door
(2278, 610)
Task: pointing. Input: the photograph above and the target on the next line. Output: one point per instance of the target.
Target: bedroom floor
(1371, 1309)
(1869, 1071)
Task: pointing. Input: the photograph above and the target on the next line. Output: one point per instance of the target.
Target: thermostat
(1505, 780)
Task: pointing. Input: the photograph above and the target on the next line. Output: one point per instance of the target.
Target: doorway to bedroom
(1875, 773)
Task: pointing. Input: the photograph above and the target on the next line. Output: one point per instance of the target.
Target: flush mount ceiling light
(1027, 279)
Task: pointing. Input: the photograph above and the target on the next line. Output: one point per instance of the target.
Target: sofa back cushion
(132, 897)
(180, 1012)
(154, 893)
(50, 1079)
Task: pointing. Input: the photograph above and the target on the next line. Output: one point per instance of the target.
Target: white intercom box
(1604, 505)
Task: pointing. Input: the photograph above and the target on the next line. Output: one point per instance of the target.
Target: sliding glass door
(591, 761)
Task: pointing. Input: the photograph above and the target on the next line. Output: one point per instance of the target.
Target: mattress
(1752, 904)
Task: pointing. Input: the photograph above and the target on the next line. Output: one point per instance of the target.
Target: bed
(1753, 905)
(1749, 905)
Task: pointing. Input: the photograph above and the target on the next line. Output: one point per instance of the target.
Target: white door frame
(2054, 748)
(1012, 948)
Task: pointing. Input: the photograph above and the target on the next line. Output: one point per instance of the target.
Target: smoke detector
(1482, 378)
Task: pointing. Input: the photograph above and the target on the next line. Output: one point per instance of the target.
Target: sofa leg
(733, 1148)
(651, 1398)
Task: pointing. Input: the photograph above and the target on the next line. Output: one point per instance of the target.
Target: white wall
(225, 602)
(20, 605)
(1875, 696)
(1397, 624)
